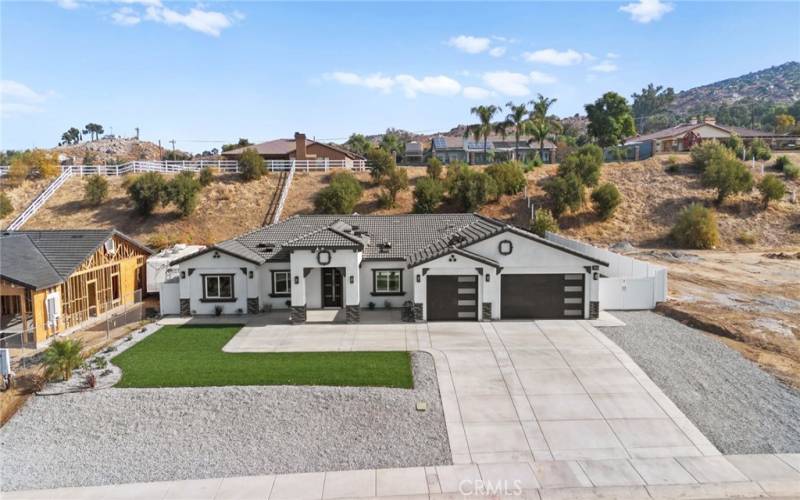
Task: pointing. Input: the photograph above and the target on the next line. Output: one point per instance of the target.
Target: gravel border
(132, 435)
(738, 406)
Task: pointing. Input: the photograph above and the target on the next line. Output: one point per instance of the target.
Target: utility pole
(137, 133)
(173, 148)
(160, 151)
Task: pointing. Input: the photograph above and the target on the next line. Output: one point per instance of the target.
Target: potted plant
(371, 306)
(217, 310)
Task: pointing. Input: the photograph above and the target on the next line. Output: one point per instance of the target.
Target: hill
(110, 151)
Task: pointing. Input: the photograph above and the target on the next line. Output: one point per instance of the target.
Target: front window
(281, 283)
(218, 286)
(388, 281)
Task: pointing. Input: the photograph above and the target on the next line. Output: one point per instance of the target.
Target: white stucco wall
(191, 285)
(265, 286)
(367, 296)
(347, 260)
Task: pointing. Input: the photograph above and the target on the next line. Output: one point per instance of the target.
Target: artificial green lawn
(191, 356)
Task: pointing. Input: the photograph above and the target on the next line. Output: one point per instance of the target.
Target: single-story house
(449, 149)
(413, 153)
(55, 280)
(437, 267)
(682, 137)
(299, 148)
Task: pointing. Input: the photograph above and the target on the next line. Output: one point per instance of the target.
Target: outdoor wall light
(297, 280)
(419, 279)
(250, 275)
(183, 275)
(487, 277)
(352, 279)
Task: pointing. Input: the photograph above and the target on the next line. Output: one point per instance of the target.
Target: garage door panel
(452, 298)
(541, 296)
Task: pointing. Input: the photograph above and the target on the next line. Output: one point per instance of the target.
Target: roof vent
(385, 246)
(265, 247)
(456, 239)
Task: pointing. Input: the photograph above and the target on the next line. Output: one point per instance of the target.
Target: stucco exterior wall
(191, 283)
(265, 285)
(347, 260)
(367, 290)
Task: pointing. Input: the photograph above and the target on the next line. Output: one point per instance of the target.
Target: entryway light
(419, 279)
(297, 280)
(487, 277)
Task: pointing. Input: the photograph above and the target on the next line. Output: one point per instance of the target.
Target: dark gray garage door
(452, 298)
(541, 296)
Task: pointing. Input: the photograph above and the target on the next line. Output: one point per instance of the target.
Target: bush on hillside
(428, 194)
(340, 196)
(728, 176)
(606, 198)
(5, 206)
(251, 165)
(380, 163)
(703, 153)
(206, 176)
(470, 189)
(791, 171)
(543, 221)
(95, 190)
(771, 188)
(183, 191)
(147, 191)
(566, 193)
(696, 227)
(782, 161)
(735, 144)
(18, 171)
(394, 181)
(509, 177)
(435, 168)
(584, 163)
(760, 150)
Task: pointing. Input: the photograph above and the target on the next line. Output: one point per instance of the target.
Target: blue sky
(217, 71)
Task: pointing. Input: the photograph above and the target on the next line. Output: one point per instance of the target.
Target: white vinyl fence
(628, 284)
(40, 200)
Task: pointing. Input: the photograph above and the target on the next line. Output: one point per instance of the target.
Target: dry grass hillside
(21, 196)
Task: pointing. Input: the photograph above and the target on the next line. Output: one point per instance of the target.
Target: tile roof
(284, 147)
(680, 130)
(63, 250)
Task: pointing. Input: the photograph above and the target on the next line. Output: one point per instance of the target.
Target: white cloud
(375, 81)
(68, 4)
(508, 83)
(17, 98)
(203, 21)
(470, 44)
(604, 67)
(435, 85)
(612, 55)
(544, 78)
(126, 17)
(554, 57)
(645, 11)
(497, 51)
(476, 93)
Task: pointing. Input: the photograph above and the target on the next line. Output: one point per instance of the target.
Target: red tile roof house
(300, 148)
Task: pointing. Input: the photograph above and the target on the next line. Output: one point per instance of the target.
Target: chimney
(711, 120)
(693, 121)
(299, 146)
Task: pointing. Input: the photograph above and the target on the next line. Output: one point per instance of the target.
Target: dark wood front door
(331, 287)
(452, 298)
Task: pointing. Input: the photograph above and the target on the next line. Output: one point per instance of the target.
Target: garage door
(452, 298)
(541, 296)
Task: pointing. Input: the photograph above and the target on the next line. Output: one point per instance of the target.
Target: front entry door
(331, 287)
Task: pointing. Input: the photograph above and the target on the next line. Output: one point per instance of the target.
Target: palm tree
(62, 357)
(542, 125)
(485, 115)
(475, 131)
(518, 118)
(501, 128)
(541, 106)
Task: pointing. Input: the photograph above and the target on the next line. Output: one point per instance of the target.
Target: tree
(206, 176)
(584, 163)
(517, 118)
(606, 199)
(35, 161)
(727, 176)
(147, 191)
(759, 150)
(62, 357)
(94, 130)
(735, 144)
(182, 190)
(396, 180)
(469, 188)
(435, 168)
(5, 206)
(340, 196)
(485, 115)
(771, 188)
(380, 162)
(784, 122)
(251, 165)
(358, 144)
(71, 136)
(508, 176)
(95, 190)
(427, 195)
(392, 143)
(610, 119)
(243, 143)
(566, 191)
(541, 125)
(653, 101)
(703, 153)
(696, 227)
(544, 222)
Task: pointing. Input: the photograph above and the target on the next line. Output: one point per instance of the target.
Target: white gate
(627, 293)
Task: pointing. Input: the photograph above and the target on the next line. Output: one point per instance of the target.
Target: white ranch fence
(629, 284)
(40, 200)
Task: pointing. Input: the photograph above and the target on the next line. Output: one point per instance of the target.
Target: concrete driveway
(519, 391)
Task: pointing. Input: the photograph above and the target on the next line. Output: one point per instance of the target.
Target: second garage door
(452, 298)
(541, 296)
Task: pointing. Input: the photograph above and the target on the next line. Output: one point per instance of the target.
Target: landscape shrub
(128, 180)
(746, 238)
(760, 150)
(469, 188)
(791, 171)
(509, 177)
(435, 167)
(771, 188)
(5, 206)
(782, 161)
(735, 144)
(340, 196)
(206, 176)
(428, 194)
(606, 198)
(696, 227)
(62, 357)
(160, 241)
(147, 191)
(585, 163)
(703, 153)
(544, 221)
(380, 163)
(728, 176)
(34, 161)
(95, 190)
(566, 193)
(183, 191)
(251, 165)
(395, 180)
(18, 171)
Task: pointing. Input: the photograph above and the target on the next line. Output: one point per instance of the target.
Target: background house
(414, 153)
(299, 148)
(449, 149)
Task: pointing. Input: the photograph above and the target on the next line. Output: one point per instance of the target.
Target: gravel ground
(130, 435)
(738, 406)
